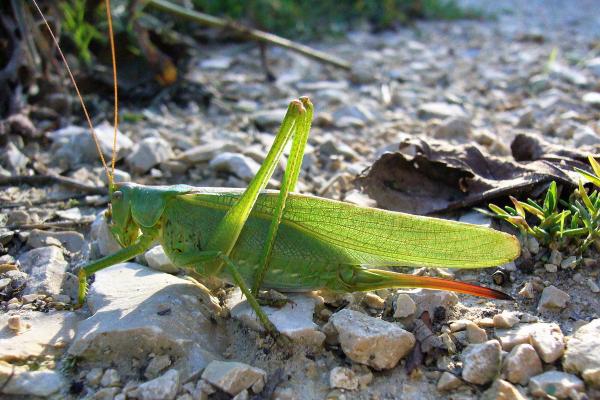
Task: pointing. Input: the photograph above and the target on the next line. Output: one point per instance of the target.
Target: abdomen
(298, 262)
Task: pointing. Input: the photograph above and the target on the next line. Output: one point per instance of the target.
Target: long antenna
(114, 66)
(85, 111)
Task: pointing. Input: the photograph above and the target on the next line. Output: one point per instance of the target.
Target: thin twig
(253, 34)
(264, 60)
(51, 225)
(81, 201)
(46, 179)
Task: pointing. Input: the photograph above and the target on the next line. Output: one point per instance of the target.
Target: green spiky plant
(557, 221)
(77, 28)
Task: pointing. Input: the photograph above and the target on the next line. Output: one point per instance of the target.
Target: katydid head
(134, 208)
(119, 216)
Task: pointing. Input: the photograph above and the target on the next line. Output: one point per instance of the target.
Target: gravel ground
(148, 333)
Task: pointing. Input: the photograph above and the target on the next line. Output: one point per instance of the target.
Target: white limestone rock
(148, 153)
(46, 267)
(165, 387)
(521, 364)
(18, 380)
(555, 383)
(343, 378)
(102, 238)
(44, 333)
(476, 334)
(440, 110)
(268, 119)
(506, 319)
(94, 376)
(233, 377)
(583, 353)
(549, 340)
(503, 390)
(72, 241)
(237, 164)
(371, 341)
(404, 306)
(110, 378)
(158, 260)
(553, 299)
(481, 362)
(74, 144)
(294, 319)
(137, 311)
(428, 300)
(448, 382)
(157, 365)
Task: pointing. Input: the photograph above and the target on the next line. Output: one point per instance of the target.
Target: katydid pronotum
(257, 238)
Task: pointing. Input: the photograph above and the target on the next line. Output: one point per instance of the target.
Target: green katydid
(257, 238)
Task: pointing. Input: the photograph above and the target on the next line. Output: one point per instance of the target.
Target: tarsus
(85, 111)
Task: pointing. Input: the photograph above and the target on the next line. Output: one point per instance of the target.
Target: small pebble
(569, 263)
(533, 245)
(553, 298)
(404, 306)
(371, 341)
(14, 322)
(527, 318)
(557, 384)
(325, 314)
(578, 278)
(109, 393)
(94, 376)
(373, 301)
(4, 282)
(527, 291)
(481, 362)
(555, 257)
(485, 323)
(590, 262)
(364, 379)
(592, 98)
(503, 390)
(448, 382)
(343, 378)
(522, 363)
(156, 366)
(110, 378)
(505, 320)
(232, 377)
(551, 267)
(548, 342)
(243, 395)
(164, 387)
(460, 325)
(30, 298)
(476, 334)
(593, 285)
(204, 387)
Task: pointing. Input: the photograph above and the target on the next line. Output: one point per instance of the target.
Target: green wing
(377, 237)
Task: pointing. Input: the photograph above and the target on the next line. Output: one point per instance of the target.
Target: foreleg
(139, 247)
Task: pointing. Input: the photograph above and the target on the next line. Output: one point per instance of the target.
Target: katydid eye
(117, 195)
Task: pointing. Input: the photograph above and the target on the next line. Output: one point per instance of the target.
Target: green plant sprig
(77, 28)
(555, 220)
